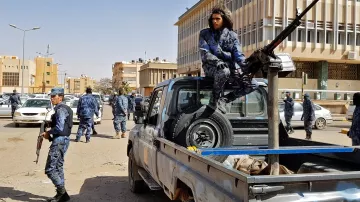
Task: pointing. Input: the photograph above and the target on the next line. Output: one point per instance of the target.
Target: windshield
(37, 103)
(74, 104)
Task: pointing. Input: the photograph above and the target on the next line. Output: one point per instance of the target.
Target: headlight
(43, 114)
(17, 114)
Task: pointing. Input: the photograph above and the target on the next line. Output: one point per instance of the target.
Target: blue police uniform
(288, 113)
(86, 109)
(15, 102)
(354, 132)
(61, 125)
(220, 52)
(308, 115)
(121, 107)
(131, 105)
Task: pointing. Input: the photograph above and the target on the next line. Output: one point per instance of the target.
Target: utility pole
(65, 83)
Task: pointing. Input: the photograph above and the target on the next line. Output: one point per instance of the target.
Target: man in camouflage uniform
(86, 109)
(354, 132)
(121, 107)
(59, 136)
(308, 115)
(131, 105)
(289, 112)
(15, 102)
(220, 55)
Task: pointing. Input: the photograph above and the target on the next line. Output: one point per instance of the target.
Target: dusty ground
(94, 172)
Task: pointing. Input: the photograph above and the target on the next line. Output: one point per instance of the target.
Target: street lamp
(23, 65)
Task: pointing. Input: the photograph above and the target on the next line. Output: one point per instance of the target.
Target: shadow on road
(12, 125)
(102, 188)
(9, 192)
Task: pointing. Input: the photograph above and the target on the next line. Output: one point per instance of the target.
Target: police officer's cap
(306, 95)
(57, 91)
(287, 92)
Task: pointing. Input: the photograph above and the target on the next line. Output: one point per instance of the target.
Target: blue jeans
(85, 124)
(54, 168)
(120, 123)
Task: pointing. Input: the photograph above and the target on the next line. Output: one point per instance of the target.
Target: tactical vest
(68, 121)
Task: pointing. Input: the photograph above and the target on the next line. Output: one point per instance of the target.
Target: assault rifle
(40, 138)
(260, 59)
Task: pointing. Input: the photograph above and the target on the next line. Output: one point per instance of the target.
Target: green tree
(126, 86)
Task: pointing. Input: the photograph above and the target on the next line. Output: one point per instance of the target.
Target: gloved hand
(221, 65)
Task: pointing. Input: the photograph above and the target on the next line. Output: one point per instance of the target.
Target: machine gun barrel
(288, 30)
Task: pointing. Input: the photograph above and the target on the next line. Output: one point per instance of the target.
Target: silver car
(322, 116)
(5, 108)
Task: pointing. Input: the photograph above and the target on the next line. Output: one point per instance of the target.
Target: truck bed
(341, 173)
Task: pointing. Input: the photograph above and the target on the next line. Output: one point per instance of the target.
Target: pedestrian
(86, 109)
(220, 54)
(131, 105)
(59, 136)
(15, 102)
(354, 132)
(121, 107)
(308, 115)
(113, 104)
(289, 112)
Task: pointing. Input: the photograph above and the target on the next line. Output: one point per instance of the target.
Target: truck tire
(203, 128)
(136, 183)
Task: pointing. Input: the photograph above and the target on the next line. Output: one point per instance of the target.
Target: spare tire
(203, 127)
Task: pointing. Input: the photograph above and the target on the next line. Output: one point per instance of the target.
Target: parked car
(34, 111)
(5, 108)
(106, 98)
(350, 111)
(74, 105)
(322, 116)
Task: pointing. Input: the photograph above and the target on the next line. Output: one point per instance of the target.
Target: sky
(88, 36)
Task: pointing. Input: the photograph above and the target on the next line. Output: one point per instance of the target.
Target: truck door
(150, 130)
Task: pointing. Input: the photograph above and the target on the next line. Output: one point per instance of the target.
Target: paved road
(94, 172)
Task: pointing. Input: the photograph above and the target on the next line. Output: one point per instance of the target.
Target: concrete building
(126, 72)
(153, 73)
(326, 45)
(11, 74)
(46, 75)
(78, 85)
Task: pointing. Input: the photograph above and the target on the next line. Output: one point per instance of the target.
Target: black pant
(13, 109)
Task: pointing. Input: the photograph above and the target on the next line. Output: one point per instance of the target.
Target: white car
(322, 116)
(34, 111)
(74, 105)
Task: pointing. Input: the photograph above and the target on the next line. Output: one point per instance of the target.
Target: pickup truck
(159, 160)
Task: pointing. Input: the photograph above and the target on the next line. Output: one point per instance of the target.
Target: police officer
(86, 109)
(220, 53)
(308, 115)
(15, 102)
(354, 132)
(113, 104)
(131, 105)
(289, 112)
(121, 107)
(58, 135)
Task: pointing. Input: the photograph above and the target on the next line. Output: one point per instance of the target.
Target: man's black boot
(222, 105)
(61, 195)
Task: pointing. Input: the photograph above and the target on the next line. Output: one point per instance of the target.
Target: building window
(358, 39)
(329, 36)
(299, 35)
(47, 82)
(48, 73)
(318, 37)
(10, 79)
(164, 76)
(174, 76)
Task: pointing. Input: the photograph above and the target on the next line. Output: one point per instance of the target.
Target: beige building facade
(126, 72)
(78, 85)
(153, 73)
(46, 75)
(326, 45)
(11, 69)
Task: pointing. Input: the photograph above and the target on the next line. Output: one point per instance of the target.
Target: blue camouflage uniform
(220, 54)
(15, 102)
(86, 109)
(288, 112)
(354, 132)
(308, 115)
(131, 105)
(61, 125)
(121, 107)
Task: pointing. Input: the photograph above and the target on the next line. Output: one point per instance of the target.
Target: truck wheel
(137, 184)
(203, 128)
